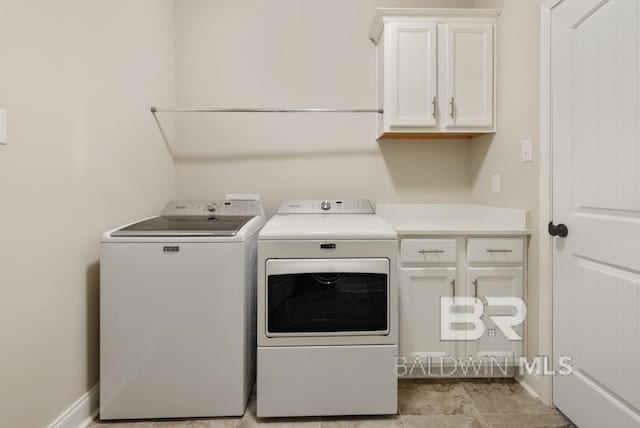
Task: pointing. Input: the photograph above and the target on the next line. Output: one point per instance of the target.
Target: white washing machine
(177, 312)
(327, 311)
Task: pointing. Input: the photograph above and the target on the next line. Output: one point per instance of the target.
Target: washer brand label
(171, 249)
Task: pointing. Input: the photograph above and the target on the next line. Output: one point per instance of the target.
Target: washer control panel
(326, 206)
(208, 208)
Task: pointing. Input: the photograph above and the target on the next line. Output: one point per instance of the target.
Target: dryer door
(327, 297)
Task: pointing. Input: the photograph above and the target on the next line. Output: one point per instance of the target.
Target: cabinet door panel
(410, 75)
(420, 292)
(470, 75)
(495, 282)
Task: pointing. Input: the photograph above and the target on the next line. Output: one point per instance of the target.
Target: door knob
(559, 230)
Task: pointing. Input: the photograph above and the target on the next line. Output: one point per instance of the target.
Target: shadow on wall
(93, 323)
(481, 145)
(386, 170)
(441, 167)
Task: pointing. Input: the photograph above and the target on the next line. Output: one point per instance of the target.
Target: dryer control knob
(211, 207)
(325, 205)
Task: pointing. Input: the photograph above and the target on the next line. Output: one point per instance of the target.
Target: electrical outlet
(527, 151)
(495, 183)
(3, 127)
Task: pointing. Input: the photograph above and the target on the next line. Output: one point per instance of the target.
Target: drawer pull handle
(500, 250)
(453, 288)
(430, 251)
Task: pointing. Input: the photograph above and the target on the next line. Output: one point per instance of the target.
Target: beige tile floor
(448, 403)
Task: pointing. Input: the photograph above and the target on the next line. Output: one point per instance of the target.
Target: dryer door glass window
(328, 301)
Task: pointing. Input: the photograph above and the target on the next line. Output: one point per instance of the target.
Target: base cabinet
(483, 270)
(420, 293)
(491, 282)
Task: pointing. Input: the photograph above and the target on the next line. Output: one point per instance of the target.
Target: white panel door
(596, 194)
(495, 282)
(469, 75)
(411, 80)
(420, 293)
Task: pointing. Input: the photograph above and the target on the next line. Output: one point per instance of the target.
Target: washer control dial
(325, 205)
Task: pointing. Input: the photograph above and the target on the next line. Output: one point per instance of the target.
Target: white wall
(84, 155)
(291, 53)
(518, 119)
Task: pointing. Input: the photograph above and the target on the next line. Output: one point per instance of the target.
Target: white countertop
(454, 219)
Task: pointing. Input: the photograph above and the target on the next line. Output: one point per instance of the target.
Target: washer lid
(186, 226)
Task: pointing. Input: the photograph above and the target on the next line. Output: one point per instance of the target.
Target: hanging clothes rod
(262, 110)
(155, 110)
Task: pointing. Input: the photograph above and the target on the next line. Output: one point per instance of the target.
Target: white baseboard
(81, 413)
(527, 387)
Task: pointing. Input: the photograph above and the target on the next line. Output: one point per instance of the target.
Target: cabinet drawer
(427, 251)
(495, 250)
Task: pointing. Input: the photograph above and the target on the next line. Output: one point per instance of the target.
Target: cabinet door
(420, 292)
(410, 82)
(469, 74)
(495, 282)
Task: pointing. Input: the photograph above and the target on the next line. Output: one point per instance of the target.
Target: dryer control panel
(326, 206)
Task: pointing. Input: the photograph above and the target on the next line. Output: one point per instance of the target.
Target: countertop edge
(458, 232)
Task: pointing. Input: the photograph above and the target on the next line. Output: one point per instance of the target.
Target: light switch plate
(495, 183)
(527, 151)
(3, 126)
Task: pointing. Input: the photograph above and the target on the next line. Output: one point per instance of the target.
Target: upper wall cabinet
(436, 71)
